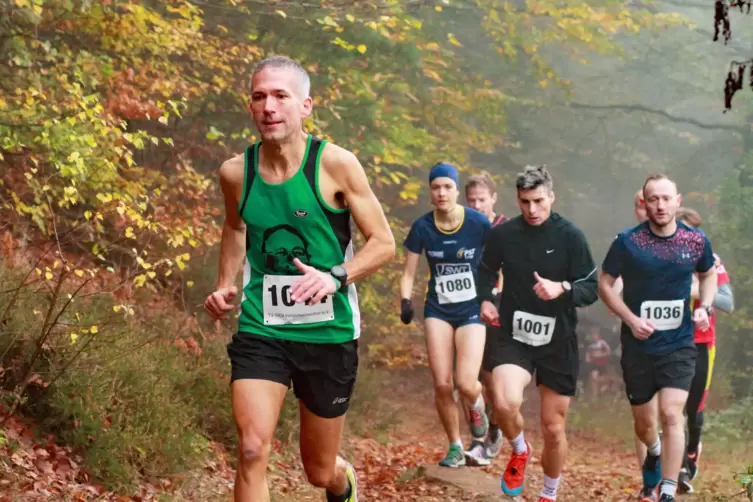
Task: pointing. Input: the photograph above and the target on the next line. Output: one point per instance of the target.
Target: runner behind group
(598, 354)
(452, 237)
(705, 343)
(656, 260)
(299, 319)
(481, 195)
(548, 271)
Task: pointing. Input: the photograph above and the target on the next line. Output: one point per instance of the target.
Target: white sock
(458, 443)
(655, 449)
(479, 404)
(519, 444)
(668, 487)
(550, 487)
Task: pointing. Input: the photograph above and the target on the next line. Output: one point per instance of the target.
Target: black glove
(406, 311)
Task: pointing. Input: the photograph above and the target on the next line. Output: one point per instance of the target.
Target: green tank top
(284, 221)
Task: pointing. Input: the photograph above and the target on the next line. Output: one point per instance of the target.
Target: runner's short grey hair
(533, 177)
(284, 63)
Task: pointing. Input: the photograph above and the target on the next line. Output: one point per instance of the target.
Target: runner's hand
(701, 319)
(489, 312)
(546, 289)
(642, 328)
(406, 311)
(220, 302)
(313, 285)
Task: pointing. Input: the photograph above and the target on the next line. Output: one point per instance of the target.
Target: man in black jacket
(548, 272)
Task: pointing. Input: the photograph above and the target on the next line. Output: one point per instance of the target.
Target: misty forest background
(115, 116)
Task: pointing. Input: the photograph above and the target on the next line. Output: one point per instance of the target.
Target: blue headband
(444, 171)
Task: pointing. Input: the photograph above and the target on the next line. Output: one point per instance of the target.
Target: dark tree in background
(736, 73)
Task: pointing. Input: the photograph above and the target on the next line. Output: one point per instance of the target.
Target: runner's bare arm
(409, 275)
(490, 265)
(350, 179)
(707, 286)
(612, 299)
(233, 230)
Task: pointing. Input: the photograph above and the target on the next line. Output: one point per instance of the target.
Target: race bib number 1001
(664, 314)
(534, 330)
(279, 308)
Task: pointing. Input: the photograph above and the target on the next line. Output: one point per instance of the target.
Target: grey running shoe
(479, 422)
(476, 455)
(493, 443)
(454, 458)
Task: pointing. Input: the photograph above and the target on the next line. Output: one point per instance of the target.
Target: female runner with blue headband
(452, 237)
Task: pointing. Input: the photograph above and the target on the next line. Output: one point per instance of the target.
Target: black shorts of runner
(555, 368)
(646, 374)
(323, 375)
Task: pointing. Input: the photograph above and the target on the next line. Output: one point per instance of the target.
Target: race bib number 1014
(279, 307)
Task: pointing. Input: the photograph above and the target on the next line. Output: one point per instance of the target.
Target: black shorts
(646, 374)
(555, 368)
(323, 375)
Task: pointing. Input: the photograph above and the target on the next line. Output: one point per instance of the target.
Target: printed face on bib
(454, 283)
(279, 308)
(531, 329)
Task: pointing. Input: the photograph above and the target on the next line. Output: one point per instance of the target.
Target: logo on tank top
(466, 253)
(280, 244)
(300, 213)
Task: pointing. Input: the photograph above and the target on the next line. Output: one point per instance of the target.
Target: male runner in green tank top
(288, 204)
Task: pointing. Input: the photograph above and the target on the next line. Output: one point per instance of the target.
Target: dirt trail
(399, 464)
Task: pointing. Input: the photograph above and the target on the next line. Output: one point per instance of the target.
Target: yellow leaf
(130, 311)
(87, 215)
(350, 17)
(129, 233)
(139, 280)
(151, 274)
(544, 83)
(453, 40)
(163, 120)
(39, 272)
(116, 308)
(186, 256)
(48, 275)
(281, 13)
(79, 273)
(189, 284)
(94, 330)
(438, 8)
(361, 48)
(74, 337)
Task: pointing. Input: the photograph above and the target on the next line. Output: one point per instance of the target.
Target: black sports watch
(708, 308)
(339, 273)
(567, 286)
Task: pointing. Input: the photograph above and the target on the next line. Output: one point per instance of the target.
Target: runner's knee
(553, 429)
(319, 474)
(469, 388)
(253, 450)
(671, 417)
(443, 388)
(506, 406)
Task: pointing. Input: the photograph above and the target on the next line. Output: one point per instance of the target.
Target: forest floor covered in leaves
(395, 462)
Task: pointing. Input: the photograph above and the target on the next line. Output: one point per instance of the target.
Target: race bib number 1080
(665, 315)
(279, 307)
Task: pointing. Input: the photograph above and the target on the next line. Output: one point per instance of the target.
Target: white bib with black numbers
(455, 288)
(279, 308)
(665, 315)
(534, 330)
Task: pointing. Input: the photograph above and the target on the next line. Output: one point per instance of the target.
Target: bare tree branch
(661, 113)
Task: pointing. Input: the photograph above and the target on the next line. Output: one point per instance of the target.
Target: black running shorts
(555, 368)
(323, 375)
(646, 374)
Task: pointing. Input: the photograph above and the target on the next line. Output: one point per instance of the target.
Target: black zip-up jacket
(558, 251)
